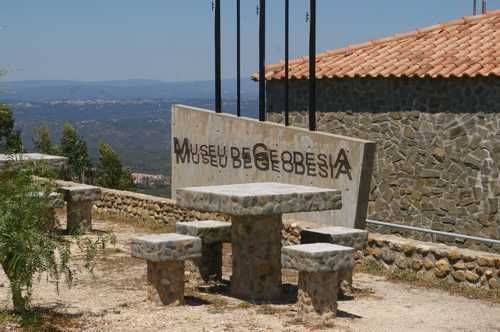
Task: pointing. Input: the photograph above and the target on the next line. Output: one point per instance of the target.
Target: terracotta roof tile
(467, 46)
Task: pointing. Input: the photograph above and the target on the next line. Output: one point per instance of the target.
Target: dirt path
(115, 301)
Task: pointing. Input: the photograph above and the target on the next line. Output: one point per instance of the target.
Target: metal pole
(262, 59)
(238, 58)
(474, 9)
(431, 231)
(218, 83)
(312, 66)
(287, 51)
(484, 7)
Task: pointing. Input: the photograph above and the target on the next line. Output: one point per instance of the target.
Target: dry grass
(411, 277)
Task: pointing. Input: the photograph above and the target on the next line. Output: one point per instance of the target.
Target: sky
(172, 40)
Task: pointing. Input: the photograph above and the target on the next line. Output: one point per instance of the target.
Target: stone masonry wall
(434, 260)
(438, 146)
(120, 205)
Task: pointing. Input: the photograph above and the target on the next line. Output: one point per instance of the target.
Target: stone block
(349, 237)
(210, 231)
(166, 247)
(317, 257)
(256, 257)
(317, 295)
(166, 282)
(266, 198)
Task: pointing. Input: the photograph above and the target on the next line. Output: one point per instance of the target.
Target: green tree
(110, 171)
(42, 142)
(75, 149)
(10, 138)
(30, 243)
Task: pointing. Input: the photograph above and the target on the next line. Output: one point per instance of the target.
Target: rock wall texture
(438, 146)
(129, 206)
(434, 260)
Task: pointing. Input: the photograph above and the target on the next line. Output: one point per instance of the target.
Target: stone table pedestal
(256, 211)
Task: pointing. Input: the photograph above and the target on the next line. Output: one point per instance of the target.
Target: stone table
(256, 211)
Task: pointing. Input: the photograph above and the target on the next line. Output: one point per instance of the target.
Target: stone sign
(214, 149)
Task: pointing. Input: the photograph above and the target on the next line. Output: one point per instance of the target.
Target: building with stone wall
(431, 100)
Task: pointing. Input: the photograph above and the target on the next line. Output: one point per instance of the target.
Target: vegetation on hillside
(110, 171)
(10, 138)
(75, 149)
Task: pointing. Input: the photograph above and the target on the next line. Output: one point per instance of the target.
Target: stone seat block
(210, 231)
(81, 193)
(349, 237)
(80, 200)
(165, 255)
(318, 265)
(166, 247)
(317, 257)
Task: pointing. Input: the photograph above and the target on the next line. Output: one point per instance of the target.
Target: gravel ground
(114, 300)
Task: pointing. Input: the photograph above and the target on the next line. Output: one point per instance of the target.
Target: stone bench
(318, 265)
(80, 200)
(165, 255)
(349, 237)
(213, 234)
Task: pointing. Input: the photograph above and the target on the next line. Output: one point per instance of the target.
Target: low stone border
(448, 263)
(118, 205)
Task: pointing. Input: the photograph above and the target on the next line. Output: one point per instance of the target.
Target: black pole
(312, 67)
(262, 59)
(474, 10)
(238, 58)
(287, 51)
(218, 84)
(483, 9)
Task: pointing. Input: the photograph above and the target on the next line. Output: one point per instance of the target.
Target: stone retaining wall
(434, 260)
(120, 205)
(438, 146)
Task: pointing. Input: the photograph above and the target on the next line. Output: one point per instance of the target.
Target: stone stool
(165, 255)
(213, 234)
(349, 237)
(80, 200)
(318, 265)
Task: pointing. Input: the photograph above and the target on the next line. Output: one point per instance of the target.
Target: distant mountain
(39, 91)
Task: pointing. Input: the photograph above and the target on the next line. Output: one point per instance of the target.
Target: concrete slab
(265, 198)
(210, 231)
(317, 257)
(81, 193)
(166, 247)
(349, 237)
(25, 158)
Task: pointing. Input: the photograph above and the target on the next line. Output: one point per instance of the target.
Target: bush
(30, 242)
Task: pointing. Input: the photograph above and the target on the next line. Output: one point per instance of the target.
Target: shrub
(30, 243)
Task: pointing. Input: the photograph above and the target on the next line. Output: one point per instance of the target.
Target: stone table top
(166, 247)
(81, 193)
(264, 198)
